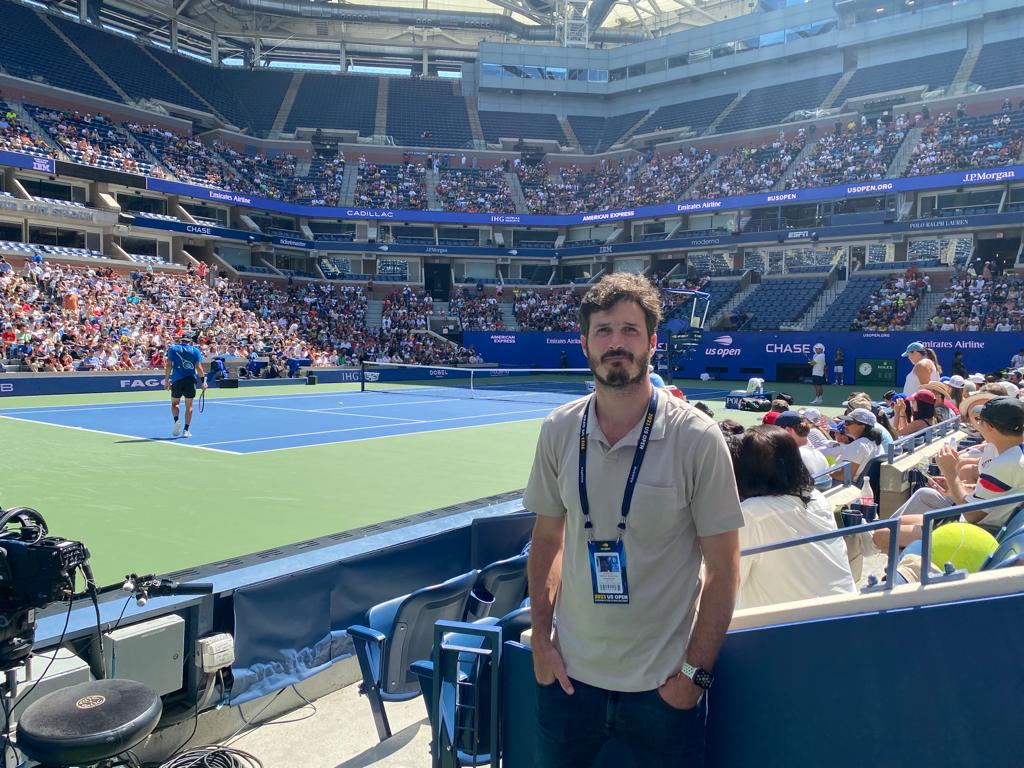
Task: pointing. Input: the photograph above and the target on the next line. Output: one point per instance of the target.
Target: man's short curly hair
(622, 286)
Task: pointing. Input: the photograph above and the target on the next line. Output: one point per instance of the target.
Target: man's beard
(618, 377)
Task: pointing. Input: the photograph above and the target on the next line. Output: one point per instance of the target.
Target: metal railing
(910, 443)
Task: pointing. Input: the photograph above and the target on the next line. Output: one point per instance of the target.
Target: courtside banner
(24, 384)
(739, 355)
(28, 162)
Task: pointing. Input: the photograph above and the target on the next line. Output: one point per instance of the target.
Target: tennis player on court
(184, 364)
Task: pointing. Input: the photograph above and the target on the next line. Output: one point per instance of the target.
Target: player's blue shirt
(183, 359)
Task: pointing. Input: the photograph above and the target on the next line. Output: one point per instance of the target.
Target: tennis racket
(202, 400)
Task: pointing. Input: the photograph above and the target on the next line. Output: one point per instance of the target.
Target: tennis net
(530, 385)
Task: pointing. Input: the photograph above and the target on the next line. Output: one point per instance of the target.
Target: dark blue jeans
(595, 727)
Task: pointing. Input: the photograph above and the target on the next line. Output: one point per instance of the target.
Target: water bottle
(867, 495)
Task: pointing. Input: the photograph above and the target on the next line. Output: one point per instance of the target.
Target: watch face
(703, 678)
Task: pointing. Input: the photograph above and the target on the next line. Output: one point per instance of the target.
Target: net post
(362, 375)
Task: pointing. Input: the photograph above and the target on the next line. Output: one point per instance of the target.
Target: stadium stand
(269, 177)
(335, 101)
(555, 310)
(953, 143)
(91, 139)
(976, 304)
(520, 125)
(128, 66)
(772, 104)
(186, 157)
(747, 170)
(843, 311)
(427, 113)
(391, 186)
(1000, 64)
(476, 312)
(248, 99)
(780, 301)
(15, 136)
(931, 71)
(474, 190)
(31, 50)
(323, 182)
(596, 134)
(841, 158)
(696, 115)
(891, 306)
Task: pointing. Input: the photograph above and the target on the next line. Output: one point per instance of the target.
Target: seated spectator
(777, 407)
(1001, 422)
(860, 440)
(914, 413)
(779, 502)
(799, 428)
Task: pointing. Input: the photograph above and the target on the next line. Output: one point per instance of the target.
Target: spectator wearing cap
(1001, 422)
(956, 386)
(924, 369)
(778, 406)
(819, 427)
(799, 428)
(860, 439)
(779, 502)
(914, 413)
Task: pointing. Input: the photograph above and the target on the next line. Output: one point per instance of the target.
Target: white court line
(360, 429)
(329, 411)
(184, 443)
(382, 437)
(224, 401)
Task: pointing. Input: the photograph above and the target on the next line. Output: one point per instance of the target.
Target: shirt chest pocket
(657, 513)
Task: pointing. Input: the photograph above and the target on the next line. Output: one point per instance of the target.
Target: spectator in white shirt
(861, 440)
(799, 428)
(779, 502)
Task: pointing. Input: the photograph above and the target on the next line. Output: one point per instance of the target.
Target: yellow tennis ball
(962, 544)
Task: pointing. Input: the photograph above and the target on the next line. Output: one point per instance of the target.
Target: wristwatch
(700, 677)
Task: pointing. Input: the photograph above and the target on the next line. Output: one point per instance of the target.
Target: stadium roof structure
(309, 32)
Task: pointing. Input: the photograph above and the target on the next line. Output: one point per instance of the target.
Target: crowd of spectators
(892, 306)
(269, 177)
(470, 190)
(60, 318)
(850, 156)
(91, 139)
(476, 312)
(982, 302)
(955, 142)
(649, 180)
(391, 186)
(15, 136)
(185, 156)
(324, 182)
(746, 170)
(556, 310)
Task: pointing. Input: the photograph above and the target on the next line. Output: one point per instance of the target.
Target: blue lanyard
(634, 470)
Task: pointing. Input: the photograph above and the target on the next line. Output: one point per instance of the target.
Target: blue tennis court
(258, 424)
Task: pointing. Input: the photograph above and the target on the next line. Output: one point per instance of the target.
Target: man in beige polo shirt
(632, 490)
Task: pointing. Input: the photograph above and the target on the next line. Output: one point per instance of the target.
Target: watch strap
(699, 676)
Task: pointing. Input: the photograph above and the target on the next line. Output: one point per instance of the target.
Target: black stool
(89, 722)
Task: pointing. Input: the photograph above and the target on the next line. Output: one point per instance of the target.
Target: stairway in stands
(286, 103)
(71, 44)
(380, 119)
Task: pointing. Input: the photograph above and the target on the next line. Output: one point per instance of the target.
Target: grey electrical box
(67, 669)
(151, 653)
